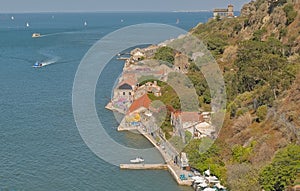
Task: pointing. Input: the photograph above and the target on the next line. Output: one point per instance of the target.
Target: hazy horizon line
(108, 11)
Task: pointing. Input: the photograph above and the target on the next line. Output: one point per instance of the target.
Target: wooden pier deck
(144, 166)
(170, 168)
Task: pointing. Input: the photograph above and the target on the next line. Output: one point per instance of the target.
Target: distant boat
(27, 24)
(137, 160)
(12, 18)
(122, 20)
(36, 35)
(38, 65)
(85, 23)
(177, 21)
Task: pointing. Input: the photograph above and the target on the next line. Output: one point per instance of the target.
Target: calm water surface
(41, 148)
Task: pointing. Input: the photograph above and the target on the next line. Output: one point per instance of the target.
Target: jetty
(169, 167)
(143, 166)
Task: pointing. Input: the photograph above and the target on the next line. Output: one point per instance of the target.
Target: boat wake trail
(60, 33)
(48, 62)
(51, 59)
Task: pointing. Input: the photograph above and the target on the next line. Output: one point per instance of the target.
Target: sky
(9, 6)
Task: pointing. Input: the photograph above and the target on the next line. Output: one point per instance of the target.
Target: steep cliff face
(289, 110)
(279, 19)
(273, 18)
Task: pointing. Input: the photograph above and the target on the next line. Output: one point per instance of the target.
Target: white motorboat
(36, 35)
(137, 160)
(38, 65)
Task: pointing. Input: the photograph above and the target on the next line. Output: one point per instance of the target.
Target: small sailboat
(27, 24)
(177, 21)
(85, 24)
(12, 18)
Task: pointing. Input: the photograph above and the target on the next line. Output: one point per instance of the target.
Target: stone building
(181, 62)
(124, 90)
(224, 13)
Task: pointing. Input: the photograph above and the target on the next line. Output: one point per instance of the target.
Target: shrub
(262, 112)
(242, 154)
(243, 122)
(243, 177)
(241, 111)
(257, 35)
(188, 136)
(232, 109)
(283, 32)
(290, 13)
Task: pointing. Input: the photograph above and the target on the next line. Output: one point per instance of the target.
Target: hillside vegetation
(258, 147)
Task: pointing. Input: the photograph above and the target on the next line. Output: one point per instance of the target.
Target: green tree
(165, 54)
(290, 13)
(216, 45)
(210, 159)
(262, 65)
(283, 170)
(241, 154)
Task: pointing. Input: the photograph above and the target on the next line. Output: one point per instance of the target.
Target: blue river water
(40, 146)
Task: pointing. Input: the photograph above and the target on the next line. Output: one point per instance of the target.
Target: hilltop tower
(230, 11)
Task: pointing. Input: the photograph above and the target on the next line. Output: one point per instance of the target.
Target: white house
(203, 129)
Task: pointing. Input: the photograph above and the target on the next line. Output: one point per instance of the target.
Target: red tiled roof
(143, 101)
(190, 116)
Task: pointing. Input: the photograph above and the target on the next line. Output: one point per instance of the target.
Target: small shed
(184, 162)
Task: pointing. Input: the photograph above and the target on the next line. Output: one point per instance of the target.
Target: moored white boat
(137, 160)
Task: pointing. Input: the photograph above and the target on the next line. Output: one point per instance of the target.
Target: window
(123, 93)
(129, 93)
